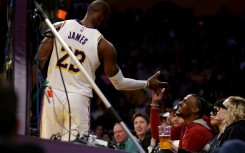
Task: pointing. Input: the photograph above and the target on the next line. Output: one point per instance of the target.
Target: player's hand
(155, 84)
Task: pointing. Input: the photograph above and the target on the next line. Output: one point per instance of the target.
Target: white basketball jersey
(83, 42)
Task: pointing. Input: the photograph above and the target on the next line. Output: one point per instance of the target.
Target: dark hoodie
(234, 131)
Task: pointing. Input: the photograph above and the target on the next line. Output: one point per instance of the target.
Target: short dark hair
(8, 108)
(102, 6)
(143, 115)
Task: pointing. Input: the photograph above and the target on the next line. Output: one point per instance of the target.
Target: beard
(178, 113)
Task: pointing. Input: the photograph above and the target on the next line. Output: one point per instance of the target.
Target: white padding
(121, 83)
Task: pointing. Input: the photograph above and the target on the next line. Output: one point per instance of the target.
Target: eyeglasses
(216, 108)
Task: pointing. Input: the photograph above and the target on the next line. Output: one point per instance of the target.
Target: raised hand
(157, 95)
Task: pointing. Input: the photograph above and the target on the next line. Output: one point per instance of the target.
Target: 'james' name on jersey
(78, 37)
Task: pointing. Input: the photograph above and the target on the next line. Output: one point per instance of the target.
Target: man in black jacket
(142, 129)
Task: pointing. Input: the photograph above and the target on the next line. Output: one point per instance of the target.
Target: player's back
(83, 42)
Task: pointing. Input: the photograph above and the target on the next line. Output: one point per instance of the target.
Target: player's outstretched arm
(108, 57)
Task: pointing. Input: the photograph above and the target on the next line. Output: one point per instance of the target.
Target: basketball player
(67, 85)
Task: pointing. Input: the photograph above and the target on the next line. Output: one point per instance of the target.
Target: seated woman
(233, 125)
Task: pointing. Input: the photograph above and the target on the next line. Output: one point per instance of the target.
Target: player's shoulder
(60, 24)
(105, 43)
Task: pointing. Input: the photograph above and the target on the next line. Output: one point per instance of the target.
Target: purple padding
(54, 146)
(21, 63)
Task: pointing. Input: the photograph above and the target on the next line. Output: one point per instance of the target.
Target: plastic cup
(164, 136)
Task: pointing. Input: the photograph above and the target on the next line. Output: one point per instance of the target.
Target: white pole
(95, 87)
